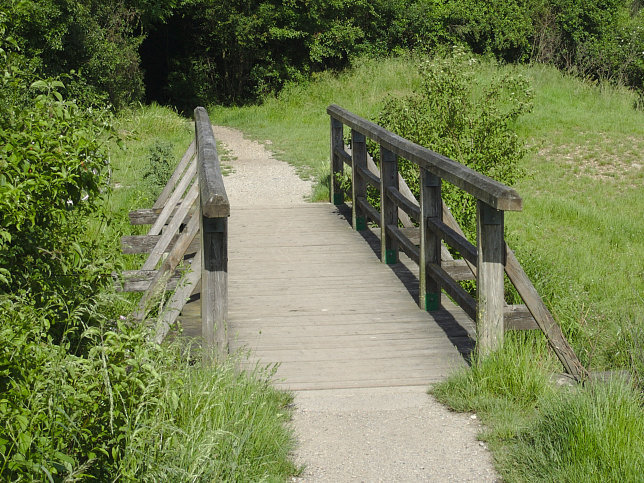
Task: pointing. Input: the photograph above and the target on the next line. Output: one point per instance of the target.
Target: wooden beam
(431, 212)
(454, 290)
(518, 317)
(176, 175)
(172, 228)
(489, 286)
(388, 209)
(453, 239)
(337, 166)
(543, 317)
(139, 280)
(176, 196)
(482, 187)
(358, 186)
(133, 244)
(411, 250)
(404, 203)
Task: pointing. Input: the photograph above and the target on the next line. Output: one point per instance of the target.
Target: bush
(462, 116)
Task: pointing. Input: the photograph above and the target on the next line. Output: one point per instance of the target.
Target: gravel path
(375, 434)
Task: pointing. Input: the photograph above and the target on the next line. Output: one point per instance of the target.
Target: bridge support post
(359, 187)
(431, 208)
(388, 209)
(489, 283)
(337, 164)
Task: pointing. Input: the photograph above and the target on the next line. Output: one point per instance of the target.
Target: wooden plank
(370, 178)
(403, 203)
(450, 221)
(149, 216)
(139, 280)
(518, 317)
(164, 216)
(388, 210)
(404, 243)
(454, 290)
(167, 268)
(214, 283)
(453, 239)
(337, 166)
(482, 187)
(358, 186)
(458, 270)
(430, 242)
(178, 299)
(133, 244)
(543, 317)
(370, 211)
(176, 175)
(490, 292)
(212, 193)
(343, 154)
(172, 228)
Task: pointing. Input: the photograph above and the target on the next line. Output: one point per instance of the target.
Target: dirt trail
(365, 434)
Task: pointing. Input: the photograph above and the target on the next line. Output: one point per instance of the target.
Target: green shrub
(460, 116)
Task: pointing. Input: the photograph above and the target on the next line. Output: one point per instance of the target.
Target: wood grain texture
(430, 241)
(358, 186)
(169, 209)
(388, 209)
(168, 189)
(325, 308)
(543, 318)
(480, 186)
(489, 286)
(212, 193)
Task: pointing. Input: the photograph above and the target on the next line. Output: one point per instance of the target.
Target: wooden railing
(486, 261)
(194, 200)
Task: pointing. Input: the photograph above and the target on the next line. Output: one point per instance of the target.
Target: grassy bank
(580, 237)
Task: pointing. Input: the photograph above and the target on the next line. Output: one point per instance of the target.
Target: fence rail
(487, 261)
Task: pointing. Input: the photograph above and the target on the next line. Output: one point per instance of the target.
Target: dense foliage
(465, 118)
(190, 52)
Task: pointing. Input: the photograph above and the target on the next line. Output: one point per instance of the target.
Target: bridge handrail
(487, 261)
(484, 188)
(214, 210)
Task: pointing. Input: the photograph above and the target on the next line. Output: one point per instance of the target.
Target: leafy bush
(159, 169)
(463, 118)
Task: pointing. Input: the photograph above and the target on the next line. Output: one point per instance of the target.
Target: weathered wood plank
(359, 186)
(518, 317)
(337, 166)
(139, 280)
(454, 290)
(430, 242)
(172, 228)
(178, 299)
(453, 239)
(403, 203)
(370, 178)
(167, 268)
(176, 176)
(176, 196)
(404, 243)
(489, 286)
(388, 210)
(148, 216)
(543, 317)
(134, 244)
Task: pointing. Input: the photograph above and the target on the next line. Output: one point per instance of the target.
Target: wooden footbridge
(317, 288)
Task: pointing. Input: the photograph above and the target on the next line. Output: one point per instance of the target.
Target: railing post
(214, 210)
(214, 283)
(489, 282)
(388, 209)
(337, 164)
(359, 187)
(431, 207)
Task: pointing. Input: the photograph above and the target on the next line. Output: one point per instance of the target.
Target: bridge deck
(308, 292)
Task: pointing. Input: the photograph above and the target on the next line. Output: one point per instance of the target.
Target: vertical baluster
(388, 209)
(358, 161)
(431, 207)
(337, 164)
(489, 282)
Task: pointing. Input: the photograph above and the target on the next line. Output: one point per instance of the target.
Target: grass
(580, 237)
(193, 423)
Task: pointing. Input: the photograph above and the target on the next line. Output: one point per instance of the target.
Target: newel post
(337, 164)
(359, 187)
(431, 208)
(388, 209)
(489, 283)
(214, 210)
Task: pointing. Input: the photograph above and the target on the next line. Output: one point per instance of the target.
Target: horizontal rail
(213, 197)
(484, 188)
(456, 241)
(404, 203)
(371, 178)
